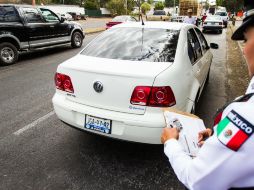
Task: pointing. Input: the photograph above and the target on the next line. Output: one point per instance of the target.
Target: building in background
(184, 5)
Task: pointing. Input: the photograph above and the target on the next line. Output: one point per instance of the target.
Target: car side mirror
(214, 46)
(62, 19)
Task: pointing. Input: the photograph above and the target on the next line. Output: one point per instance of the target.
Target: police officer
(226, 159)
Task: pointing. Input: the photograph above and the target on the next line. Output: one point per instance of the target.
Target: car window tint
(49, 16)
(32, 15)
(8, 14)
(221, 13)
(135, 44)
(202, 39)
(191, 54)
(193, 40)
(120, 19)
(159, 12)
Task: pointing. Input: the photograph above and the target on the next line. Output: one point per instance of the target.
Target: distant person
(226, 159)
(189, 19)
(203, 18)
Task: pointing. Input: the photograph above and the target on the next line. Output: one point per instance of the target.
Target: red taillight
(140, 95)
(63, 82)
(162, 97)
(153, 96)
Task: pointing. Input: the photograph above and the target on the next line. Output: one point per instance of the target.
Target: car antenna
(140, 15)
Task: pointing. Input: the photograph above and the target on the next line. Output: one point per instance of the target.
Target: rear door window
(49, 16)
(202, 39)
(8, 14)
(193, 41)
(32, 15)
(135, 44)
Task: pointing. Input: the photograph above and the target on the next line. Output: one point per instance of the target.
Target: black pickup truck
(26, 28)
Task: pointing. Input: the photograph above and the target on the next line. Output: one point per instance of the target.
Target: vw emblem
(98, 87)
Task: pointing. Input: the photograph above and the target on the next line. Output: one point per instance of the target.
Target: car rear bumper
(212, 27)
(145, 128)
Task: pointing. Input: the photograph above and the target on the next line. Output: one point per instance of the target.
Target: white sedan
(213, 23)
(119, 83)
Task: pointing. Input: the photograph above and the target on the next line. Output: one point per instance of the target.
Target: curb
(93, 30)
(239, 45)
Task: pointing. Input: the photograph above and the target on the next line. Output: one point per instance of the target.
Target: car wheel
(76, 40)
(8, 54)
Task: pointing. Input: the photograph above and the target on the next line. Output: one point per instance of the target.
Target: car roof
(154, 24)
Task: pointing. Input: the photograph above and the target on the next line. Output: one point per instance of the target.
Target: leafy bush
(91, 5)
(159, 6)
(118, 7)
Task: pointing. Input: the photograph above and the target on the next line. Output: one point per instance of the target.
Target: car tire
(8, 54)
(76, 40)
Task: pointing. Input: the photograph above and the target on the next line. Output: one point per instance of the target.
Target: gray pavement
(51, 155)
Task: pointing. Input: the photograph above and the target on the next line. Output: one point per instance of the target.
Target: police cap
(247, 21)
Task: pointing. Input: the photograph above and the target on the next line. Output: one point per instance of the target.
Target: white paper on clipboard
(188, 136)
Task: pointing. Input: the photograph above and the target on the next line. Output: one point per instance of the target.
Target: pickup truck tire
(8, 54)
(76, 40)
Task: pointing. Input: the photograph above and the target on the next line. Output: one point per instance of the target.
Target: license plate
(98, 124)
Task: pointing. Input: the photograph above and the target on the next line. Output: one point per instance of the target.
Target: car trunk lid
(117, 77)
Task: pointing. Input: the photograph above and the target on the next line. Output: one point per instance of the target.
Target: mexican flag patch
(234, 130)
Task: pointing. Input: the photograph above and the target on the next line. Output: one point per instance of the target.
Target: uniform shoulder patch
(234, 130)
(244, 98)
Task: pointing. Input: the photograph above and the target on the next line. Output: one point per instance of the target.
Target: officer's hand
(169, 133)
(203, 135)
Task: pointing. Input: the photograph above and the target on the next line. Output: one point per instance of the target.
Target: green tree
(118, 7)
(219, 2)
(91, 4)
(150, 2)
(171, 3)
(232, 5)
(159, 6)
(145, 7)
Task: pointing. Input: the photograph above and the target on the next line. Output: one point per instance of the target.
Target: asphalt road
(37, 151)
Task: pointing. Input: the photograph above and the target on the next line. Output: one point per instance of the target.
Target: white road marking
(34, 123)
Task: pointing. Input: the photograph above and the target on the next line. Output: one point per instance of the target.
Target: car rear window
(8, 14)
(213, 18)
(159, 13)
(221, 13)
(135, 44)
(120, 19)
